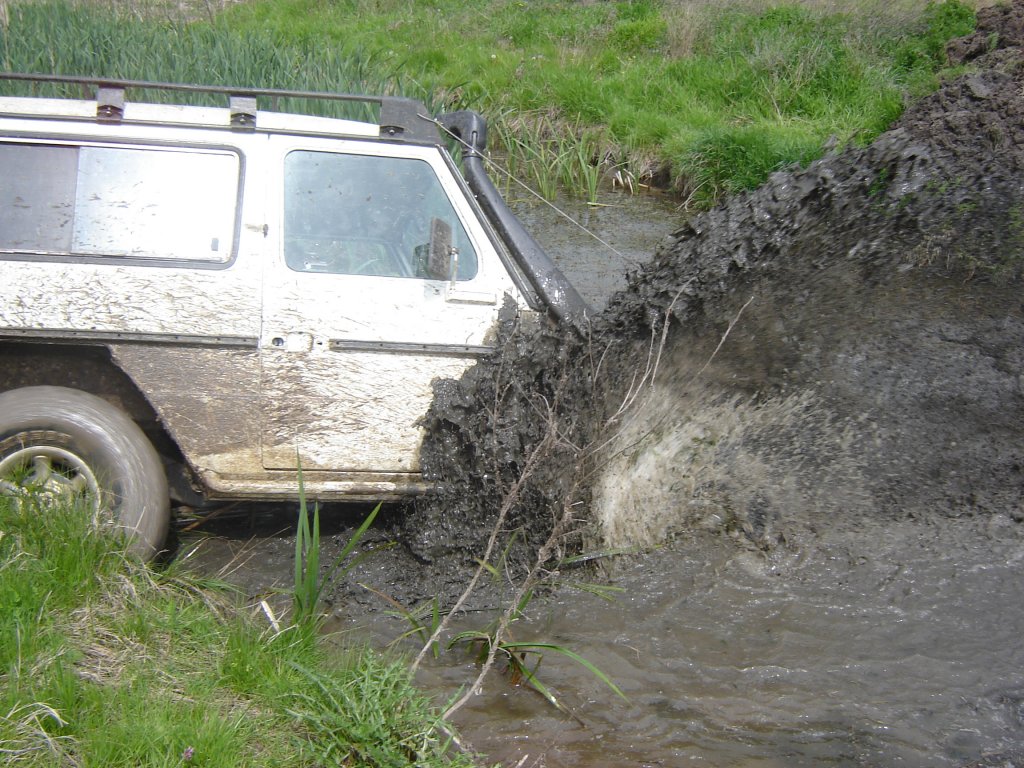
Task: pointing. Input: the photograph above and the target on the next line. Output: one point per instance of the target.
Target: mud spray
(812, 397)
(844, 342)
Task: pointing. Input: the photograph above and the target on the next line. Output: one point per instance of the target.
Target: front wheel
(68, 445)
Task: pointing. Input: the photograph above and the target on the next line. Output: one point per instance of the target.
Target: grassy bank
(705, 97)
(104, 662)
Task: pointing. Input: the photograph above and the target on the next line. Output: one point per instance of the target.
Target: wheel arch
(91, 368)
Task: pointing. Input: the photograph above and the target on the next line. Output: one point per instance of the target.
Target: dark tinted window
(37, 197)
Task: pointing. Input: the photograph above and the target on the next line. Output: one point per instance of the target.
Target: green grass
(708, 97)
(716, 95)
(105, 662)
(310, 580)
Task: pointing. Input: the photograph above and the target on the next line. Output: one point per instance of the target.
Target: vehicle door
(357, 320)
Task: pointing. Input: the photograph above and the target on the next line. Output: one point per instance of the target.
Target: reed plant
(522, 659)
(65, 39)
(310, 582)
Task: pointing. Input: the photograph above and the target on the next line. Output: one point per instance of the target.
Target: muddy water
(596, 245)
(861, 644)
(880, 647)
(895, 645)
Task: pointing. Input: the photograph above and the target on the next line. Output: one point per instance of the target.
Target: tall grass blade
(306, 589)
(529, 647)
(309, 584)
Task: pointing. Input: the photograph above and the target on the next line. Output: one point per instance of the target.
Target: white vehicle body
(260, 279)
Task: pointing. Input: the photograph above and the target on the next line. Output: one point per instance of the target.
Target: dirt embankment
(847, 340)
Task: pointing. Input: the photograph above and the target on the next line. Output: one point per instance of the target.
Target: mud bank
(846, 341)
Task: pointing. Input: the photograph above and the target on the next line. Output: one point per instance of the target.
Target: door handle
(292, 342)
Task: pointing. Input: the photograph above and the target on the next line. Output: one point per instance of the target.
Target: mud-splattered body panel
(276, 297)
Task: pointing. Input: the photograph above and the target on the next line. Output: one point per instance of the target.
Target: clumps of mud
(505, 437)
(845, 341)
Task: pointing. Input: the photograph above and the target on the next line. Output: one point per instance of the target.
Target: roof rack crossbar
(410, 129)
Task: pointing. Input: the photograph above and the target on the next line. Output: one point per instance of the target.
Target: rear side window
(142, 203)
(365, 215)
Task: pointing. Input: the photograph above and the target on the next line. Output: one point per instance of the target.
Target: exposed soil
(845, 341)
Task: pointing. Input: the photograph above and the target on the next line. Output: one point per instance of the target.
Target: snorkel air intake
(554, 289)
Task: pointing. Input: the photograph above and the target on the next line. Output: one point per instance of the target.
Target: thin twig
(661, 421)
(650, 373)
(507, 504)
(510, 614)
(721, 341)
(552, 437)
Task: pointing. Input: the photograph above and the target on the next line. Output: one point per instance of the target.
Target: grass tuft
(309, 581)
(107, 662)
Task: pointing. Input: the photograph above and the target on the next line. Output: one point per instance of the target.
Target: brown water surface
(595, 245)
(871, 643)
(899, 646)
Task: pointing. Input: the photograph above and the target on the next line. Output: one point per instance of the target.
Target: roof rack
(400, 119)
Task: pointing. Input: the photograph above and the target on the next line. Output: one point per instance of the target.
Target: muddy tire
(68, 443)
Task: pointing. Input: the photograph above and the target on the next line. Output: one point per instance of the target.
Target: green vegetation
(310, 582)
(518, 655)
(83, 40)
(715, 95)
(104, 662)
(707, 97)
(515, 657)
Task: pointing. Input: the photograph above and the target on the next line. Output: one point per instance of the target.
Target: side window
(363, 215)
(140, 203)
(37, 197)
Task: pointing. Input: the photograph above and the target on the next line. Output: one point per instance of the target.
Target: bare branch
(722, 340)
(544, 555)
(611, 438)
(509, 501)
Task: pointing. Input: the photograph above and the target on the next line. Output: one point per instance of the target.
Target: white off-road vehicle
(196, 301)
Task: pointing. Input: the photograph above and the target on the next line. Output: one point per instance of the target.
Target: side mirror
(442, 258)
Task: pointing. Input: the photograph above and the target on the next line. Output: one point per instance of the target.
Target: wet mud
(806, 413)
(845, 341)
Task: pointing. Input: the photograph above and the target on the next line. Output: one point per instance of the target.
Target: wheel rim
(50, 472)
